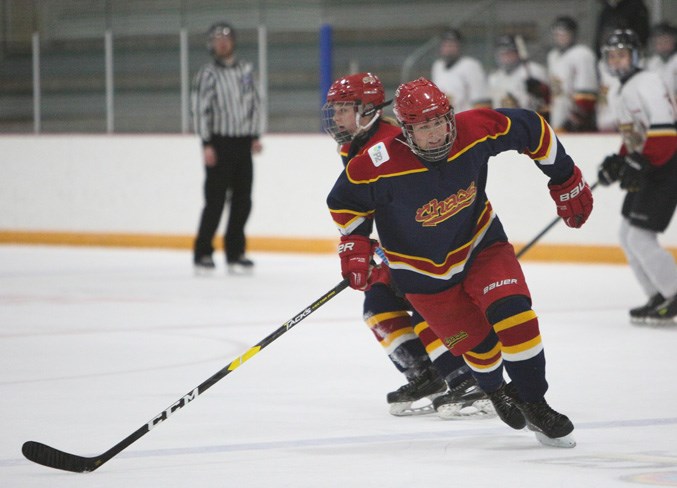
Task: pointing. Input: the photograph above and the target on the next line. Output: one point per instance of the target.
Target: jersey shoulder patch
(378, 154)
(387, 158)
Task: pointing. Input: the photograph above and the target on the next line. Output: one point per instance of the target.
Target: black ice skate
(664, 314)
(464, 400)
(241, 266)
(427, 385)
(204, 265)
(505, 404)
(551, 427)
(639, 315)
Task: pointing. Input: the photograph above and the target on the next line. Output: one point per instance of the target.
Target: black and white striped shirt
(225, 101)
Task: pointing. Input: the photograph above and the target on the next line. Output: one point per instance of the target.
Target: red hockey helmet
(362, 91)
(421, 101)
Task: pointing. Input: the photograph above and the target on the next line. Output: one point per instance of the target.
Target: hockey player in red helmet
(352, 115)
(353, 105)
(447, 251)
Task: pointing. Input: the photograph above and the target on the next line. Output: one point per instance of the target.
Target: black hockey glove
(610, 169)
(537, 88)
(634, 169)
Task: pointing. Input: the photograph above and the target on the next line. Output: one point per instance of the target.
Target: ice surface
(96, 342)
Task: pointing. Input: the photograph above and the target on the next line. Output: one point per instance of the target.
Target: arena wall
(141, 190)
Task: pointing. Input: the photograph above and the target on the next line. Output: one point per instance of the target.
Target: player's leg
(215, 198)
(242, 171)
(496, 283)
(465, 398)
(388, 318)
(646, 214)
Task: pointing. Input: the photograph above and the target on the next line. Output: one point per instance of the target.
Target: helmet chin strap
(364, 128)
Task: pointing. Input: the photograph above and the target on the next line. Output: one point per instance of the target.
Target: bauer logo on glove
(573, 199)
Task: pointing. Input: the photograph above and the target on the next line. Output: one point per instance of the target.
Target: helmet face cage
(420, 101)
(329, 125)
(435, 153)
(364, 93)
(622, 39)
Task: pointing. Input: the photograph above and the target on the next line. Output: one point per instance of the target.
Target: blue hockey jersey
(433, 219)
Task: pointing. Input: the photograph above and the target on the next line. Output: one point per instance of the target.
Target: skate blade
(480, 409)
(202, 271)
(424, 406)
(398, 410)
(567, 441)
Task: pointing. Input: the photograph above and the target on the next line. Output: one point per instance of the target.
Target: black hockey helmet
(217, 30)
(565, 22)
(451, 34)
(505, 42)
(664, 29)
(623, 39)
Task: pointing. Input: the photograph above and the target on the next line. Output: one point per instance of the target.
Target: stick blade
(53, 458)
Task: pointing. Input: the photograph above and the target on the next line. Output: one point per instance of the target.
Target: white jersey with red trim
(609, 88)
(573, 78)
(508, 89)
(464, 83)
(667, 69)
(646, 117)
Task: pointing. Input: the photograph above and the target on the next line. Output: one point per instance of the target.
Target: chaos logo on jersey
(434, 212)
(451, 341)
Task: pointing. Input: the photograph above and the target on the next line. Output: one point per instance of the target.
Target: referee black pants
(230, 180)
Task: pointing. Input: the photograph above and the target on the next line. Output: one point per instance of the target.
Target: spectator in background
(573, 79)
(225, 105)
(517, 82)
(663, 47)
(460, 77)
(622, 14)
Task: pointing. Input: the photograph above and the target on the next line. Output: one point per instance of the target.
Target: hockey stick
(552, 224)
(54, 458)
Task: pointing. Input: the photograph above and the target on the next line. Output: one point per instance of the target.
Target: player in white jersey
(664, 58)
(646, 167)
(609, 86)
(460, 77)
(517, 82)
(573, 79)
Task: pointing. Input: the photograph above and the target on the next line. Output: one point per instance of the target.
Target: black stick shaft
(552, 224)
(54, 458)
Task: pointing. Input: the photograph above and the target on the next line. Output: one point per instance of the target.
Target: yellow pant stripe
(518, 319)
(381, 317)
(395, 335)
(522, 347)
(484, 355)
(420, 327)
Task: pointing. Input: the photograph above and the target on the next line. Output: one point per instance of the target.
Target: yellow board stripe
(244, 358)
(569, 253)
(518, 319)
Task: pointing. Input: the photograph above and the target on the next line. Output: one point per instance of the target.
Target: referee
(225, 105)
